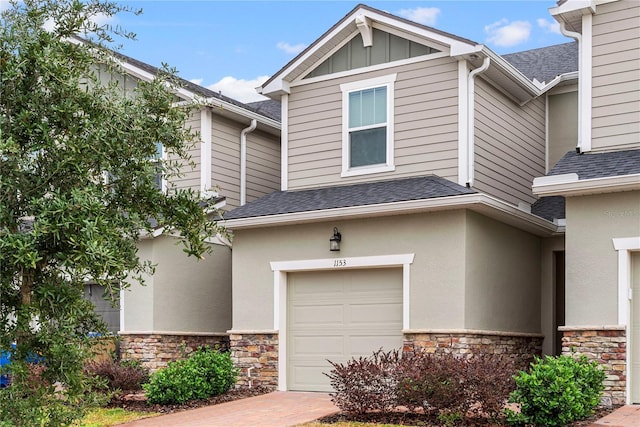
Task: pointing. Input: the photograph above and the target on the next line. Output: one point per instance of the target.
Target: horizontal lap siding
(616, 76)
(190, 173)
(263, 165)
(509, 145)
(225, 159)
(426, 126)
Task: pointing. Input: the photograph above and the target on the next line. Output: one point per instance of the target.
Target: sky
(234, 46)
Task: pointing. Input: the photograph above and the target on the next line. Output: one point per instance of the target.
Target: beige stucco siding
(562, 126)
(591, 261)
(502, 266)
(425, 120)
(616, 76)
(509, 144)
(190, 171)
(184, 294)
(437, 274)
(263, 165)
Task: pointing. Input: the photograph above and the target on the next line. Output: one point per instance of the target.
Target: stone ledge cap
(592, 328)
(473, 331)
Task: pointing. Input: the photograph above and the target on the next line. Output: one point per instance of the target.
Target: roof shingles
(372, 193)
(599, 165)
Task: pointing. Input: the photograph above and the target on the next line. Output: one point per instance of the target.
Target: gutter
(578, 38)
(571, 185)
(243, 160)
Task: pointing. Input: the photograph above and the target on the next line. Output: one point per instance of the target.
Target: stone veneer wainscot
(521, 346)
(608, 346)
(255, 354)
(156, 349)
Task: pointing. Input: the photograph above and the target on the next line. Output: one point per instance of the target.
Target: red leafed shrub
(443, 385)
(121, 375)
(366, 383)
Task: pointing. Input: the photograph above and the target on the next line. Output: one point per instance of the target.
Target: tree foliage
(77, 184)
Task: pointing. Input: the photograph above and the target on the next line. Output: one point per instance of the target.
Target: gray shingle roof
(549, 208)
(546, 63)
(372, 193)
(599, 165)
(269, 108)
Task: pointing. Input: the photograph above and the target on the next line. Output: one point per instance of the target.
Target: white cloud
(98, 19)
(197, 81)
(549, 26)
(238, 89)
(505, 34)
(421, 15)
(292, 49)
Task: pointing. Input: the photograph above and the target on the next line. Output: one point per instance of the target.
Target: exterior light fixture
(334, 241)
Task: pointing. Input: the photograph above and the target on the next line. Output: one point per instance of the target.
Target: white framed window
(367, 126)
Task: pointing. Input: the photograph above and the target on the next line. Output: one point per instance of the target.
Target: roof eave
(479, 202)
(570, 185)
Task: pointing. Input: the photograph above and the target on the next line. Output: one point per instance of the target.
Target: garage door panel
(338, 315)
(313, 315)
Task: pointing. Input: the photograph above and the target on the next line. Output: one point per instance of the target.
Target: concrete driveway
(277, 409)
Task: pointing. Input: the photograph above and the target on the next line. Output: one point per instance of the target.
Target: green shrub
(204, 374)
(557, 391)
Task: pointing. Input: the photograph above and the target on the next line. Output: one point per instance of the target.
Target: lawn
(103, 417)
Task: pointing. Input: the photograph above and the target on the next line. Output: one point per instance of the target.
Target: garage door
(337, 315)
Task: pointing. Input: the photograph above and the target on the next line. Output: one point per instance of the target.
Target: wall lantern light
(334, 241)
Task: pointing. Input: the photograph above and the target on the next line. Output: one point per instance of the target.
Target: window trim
(389, 82)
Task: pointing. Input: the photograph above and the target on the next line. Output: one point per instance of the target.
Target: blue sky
(234, 45)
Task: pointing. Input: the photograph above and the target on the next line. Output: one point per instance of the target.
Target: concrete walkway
(626, 416)
(277, 409)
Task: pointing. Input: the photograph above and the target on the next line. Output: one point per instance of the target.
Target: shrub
(365, 384)
(204, 374)
(447, 385)
(123, 375)
(557, 391)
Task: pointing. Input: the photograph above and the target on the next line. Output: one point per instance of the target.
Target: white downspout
(471, 120)
(578, 38)
(243, 160)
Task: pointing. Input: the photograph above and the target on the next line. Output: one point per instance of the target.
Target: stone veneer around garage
(608, 346)
(522, 346)
(255, 354)
(155, 350)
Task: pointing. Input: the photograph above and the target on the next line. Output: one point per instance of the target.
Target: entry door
(337, 315)
(634, 342)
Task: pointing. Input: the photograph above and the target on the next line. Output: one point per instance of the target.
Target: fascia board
(573, 6)
(569, 185)
(560, 79)
(479, 202)
(512, 72)
(217, 103)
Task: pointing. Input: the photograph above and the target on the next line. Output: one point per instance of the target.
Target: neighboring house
(406, 216)
(600, 182)
(187, 302)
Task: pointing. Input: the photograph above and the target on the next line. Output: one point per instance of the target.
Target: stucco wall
(592, 263)
(437, 274)
(184, 294)
(502, 266)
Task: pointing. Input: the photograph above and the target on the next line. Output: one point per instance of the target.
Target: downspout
(578, 38)
(243, 160)
(471, 120)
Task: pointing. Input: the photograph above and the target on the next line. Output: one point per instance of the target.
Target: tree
(77, 189)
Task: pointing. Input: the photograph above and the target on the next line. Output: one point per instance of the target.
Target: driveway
(277, 409)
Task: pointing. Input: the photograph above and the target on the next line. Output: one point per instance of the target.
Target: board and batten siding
(616, 76)
(190, 173)
(225, 159)
(263, 165)
(425, 125)
(509, 144)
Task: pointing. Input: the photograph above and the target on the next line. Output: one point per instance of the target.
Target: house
(406, 216)
(187, 302)
(600, 182)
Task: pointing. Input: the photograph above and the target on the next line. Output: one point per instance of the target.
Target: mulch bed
(137, 402)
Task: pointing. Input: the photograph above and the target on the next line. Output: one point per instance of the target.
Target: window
(160, 182)
(367, 125)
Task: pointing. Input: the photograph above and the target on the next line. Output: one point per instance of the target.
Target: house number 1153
(339, 262)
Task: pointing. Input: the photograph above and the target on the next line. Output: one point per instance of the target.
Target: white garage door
(337, 315)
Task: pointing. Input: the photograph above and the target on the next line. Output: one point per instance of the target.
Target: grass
(103, 417)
